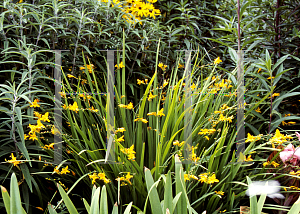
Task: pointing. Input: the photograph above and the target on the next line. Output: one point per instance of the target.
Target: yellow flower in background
(33, 136)
(35, 103)
(122, 106)
(26, 136)
(122, 96)
(270, 78)
(120, 65)
(139, 82)
(180, 66)
(63, 94)
(56, 170)
(275, 164)
(249, 158)
(13, 160)
(258, 110)
(71, 76)
(160, 112)
(217, 61)
(219, 192)
(193, 86)
(144, 120)
(120, 130)
(64, 170)
(45, 117)
(54, 130)
(151, 96)
(65, 106)
(266, 163)
(165, 83)
(162, 66)
(152, 113)
(129, 152)
(259, 70)
(92, 109)
(37, 114)
(130, 106)
(74, 107)
(120, 139)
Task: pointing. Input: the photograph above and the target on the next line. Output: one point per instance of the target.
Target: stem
(239, 28)
(13, 125)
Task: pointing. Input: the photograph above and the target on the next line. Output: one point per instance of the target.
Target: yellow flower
(130, 106)
(120, 139)
(270, 78)
(162, 66)
(93, 110)
(146, 81)
(275, 164)
(249, 158)
(176, 142)
(65, 106)
(203, 177)
(122, 96)
(151, 96)
(120, 130)
(120, 65)
(212, 179)
(152, 113)
(251, 138)
(71, 76)
(217, 60)
(122, 106)
(35, 103)
(144, 120)
(94, 177)
(291, 123)
(193, 86)
(206, 137)
(74, 107)
(13, 160)
(56, 170)
(45, 117)
(139, 82)
(266, 163)
(54, 130)
(258, 110)
(259, 70)
(180, 66)
(37, 114)
(64, 170)
(33, 136)
(26, 136)
(219, 192)
(160, 112)
(129, 152)
(165, 83)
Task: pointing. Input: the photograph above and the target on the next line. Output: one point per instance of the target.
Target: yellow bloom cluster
(125, 178)
(222, 118)
(37, 128)
(251, 138)
(207, 131)
(279, 138)
(219, 192)
(63, 170)
(209, 179)
(89, 67)
(129, 106)
(139, 82)
(272, 163)
(188, 177)
(151, 96)
(13, 160)
(141, 119)
(120, 130)
(162, 66)
(217, 60)
(159, 113)
(129, 152)
(136, 8)
(100, 176)
(176, 142)
(120, 65)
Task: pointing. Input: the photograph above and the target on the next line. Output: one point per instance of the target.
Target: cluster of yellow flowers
(208, 178)
(162, 66)
(120, 65)
(129, 106)
(137, 9)
(129, 152)
(288, 123)
(141, 119)
(272, 163)
(100, 176)
(251, 138)
(279, 138)
(139, 82)
(159, 113)
(89, 67)
(204, 177)
(206, 131)
(176, 143)
(125, 178)
(63, 171)
(73, 107)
